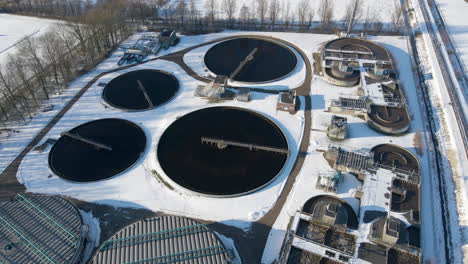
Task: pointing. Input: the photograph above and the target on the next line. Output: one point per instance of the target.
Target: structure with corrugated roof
(40, 229)
(165, 239)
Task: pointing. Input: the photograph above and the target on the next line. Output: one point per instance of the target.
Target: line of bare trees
(44, 65)
(276, 15)
(186, 15)
(66, 9)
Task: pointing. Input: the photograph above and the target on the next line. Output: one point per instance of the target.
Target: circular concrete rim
(399, 147)
(385, 129)
(80, 251)
(364, 40)
(173, 183)
(325, 195)
(131, 167)
(275, 41)
(163, 214)
(389, 55)
(108, 103)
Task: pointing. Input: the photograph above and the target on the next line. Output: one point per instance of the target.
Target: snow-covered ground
(454, 13)
(14, 28)
(138, 187)
(93, 235)
(455, 163)
(361, 137)
(382, 9)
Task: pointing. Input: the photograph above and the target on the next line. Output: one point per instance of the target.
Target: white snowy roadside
(454, 13)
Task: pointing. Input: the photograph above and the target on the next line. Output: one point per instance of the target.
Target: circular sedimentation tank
(395, 156)
(272, 60)
(164, 239)
(140, 90)
(389, 120)
(323, 200)
(221, 170)
(97, 150)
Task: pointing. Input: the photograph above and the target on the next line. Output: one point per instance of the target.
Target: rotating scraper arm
(243, 63)
(143, 90)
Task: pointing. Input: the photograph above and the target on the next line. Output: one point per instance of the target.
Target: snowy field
(138, 187)
(381, 8)
(15, 28)
(454, 13)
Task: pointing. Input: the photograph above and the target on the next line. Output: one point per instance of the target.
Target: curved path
(260, 230)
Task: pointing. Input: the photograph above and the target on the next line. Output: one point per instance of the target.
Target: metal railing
(186, 255)
(155, 236)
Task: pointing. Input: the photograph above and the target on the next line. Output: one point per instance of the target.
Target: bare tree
(311, 15)
(372, 21)
(230, 7)
(181, 11)
(262, 9)
(18, 72)
(194, 13)
(303, 11)
(274, 11)
(252, 17)
(211, 9)
(286, 15)
(244, 14)
(325, 13)
(6, 83)
(28, 50)
(353, 14)
(397, 19)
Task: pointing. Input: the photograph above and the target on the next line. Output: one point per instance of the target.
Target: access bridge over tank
(222, 144)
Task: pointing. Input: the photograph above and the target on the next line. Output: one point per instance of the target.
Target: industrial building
(354, 62)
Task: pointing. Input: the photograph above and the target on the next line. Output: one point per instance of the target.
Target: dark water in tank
(123, 91)
(271, 61)
(78, 161)
(207, 169)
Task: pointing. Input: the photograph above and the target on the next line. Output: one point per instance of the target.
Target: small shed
(338, 128)
(167, 38)
(328, 181)
(287, 101)
(215, 90)
(243, 94)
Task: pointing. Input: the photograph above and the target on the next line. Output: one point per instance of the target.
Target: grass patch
(161, 180)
